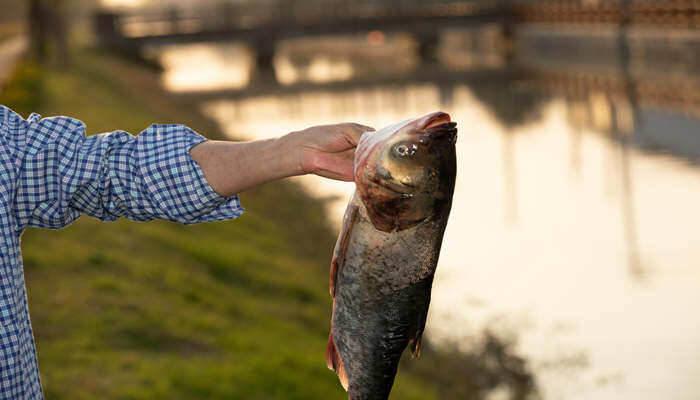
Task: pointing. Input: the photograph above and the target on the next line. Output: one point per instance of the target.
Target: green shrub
(23, 90)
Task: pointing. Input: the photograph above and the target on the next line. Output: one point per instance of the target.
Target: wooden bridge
(263, 25)
(264, 22)
(660, 13)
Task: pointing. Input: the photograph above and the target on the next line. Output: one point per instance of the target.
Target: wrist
(290, 155)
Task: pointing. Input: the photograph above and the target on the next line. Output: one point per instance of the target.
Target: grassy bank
(9, 30)
(231, 310)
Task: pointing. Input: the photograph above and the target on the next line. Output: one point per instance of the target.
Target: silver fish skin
(387, 252)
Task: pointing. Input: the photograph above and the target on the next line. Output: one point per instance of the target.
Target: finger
(345, 156)
(354, 131)
(336, 176)
(363, 128)
(348, 154)
(334, 166)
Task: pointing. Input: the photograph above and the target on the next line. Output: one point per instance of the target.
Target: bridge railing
(144, 23)
(291, 14)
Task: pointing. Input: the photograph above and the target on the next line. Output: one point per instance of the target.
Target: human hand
(326, 150)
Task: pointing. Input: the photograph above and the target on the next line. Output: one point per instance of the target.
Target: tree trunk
(48, 31)
(37, 30)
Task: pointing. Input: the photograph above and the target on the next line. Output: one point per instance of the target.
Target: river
(575, 227)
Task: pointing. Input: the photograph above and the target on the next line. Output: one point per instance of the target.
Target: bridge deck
(249, 23)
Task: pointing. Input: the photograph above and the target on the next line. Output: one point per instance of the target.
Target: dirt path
(10, 50)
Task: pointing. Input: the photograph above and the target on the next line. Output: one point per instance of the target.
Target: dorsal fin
(342, 242)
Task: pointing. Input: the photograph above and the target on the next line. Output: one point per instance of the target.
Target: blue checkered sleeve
(148, 176)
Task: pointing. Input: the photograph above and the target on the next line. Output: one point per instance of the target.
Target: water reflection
(223, 67)
(342, 58)
(574, 223)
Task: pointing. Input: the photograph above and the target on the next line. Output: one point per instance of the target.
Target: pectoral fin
(414, 345)
(415, 341)
(333, 360)
(338, 254)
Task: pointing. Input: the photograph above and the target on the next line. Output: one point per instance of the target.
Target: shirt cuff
(215, 206)
(177, 182)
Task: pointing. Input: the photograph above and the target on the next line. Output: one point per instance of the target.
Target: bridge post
(428, 45)
(227, 14)
(173, 17)
(264, 48)
(107, 28)
(109, 32)
(508, 34)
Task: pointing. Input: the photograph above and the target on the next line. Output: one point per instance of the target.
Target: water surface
(575, 226)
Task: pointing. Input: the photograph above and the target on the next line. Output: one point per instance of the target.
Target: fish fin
(340, 245)
(415, 341)
(414, 346)
(333, 362)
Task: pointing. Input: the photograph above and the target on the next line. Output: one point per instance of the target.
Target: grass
(229, 310)
(24, 88)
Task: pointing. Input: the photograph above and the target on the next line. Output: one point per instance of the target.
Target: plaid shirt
(50, 174)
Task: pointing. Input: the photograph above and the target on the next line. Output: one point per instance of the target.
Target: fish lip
(384, 179)
(439, 131)
(400, 187)
(394, 186)
(429, 121)
(435, 119)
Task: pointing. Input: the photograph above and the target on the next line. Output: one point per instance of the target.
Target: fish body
(387, 251)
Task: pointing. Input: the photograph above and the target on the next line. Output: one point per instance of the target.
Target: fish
(387, 251)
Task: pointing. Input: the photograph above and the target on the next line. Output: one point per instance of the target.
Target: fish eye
(404, 150)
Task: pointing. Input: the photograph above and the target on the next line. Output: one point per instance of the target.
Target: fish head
(405, 172)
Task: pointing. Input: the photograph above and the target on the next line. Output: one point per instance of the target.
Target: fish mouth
(434, 119)
(434, 126)
(429, 121)
(441, 130)
(384, 179)
(398, 187)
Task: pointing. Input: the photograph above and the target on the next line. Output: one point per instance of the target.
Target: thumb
(355, 130)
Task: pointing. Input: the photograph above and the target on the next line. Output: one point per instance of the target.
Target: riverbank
(224, 310)
(11, 49)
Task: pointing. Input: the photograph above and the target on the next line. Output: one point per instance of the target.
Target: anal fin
(334, 362)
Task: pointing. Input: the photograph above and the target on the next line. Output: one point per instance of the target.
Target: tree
(48, 31)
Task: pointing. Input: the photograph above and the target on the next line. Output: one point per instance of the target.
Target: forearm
(233, 167)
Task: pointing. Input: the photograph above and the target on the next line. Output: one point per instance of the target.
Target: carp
(387, 251)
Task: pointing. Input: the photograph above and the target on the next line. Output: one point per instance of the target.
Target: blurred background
(571, 263)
